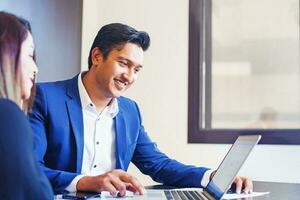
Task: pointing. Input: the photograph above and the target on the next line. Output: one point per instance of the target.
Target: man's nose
(130, 75)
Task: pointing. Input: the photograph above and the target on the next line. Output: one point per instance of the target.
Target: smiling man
(86, 133)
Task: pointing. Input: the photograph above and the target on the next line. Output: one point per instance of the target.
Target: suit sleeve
(38, 118)
(151, 161)
(21, 176)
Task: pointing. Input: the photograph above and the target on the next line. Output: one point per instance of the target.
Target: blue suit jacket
(57, 123)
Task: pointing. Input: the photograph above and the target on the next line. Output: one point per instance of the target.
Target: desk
(278, 191)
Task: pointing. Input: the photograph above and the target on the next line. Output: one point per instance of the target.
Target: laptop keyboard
(184, 195)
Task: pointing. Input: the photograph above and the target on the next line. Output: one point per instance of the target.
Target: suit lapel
(121, 139)
(76, 119)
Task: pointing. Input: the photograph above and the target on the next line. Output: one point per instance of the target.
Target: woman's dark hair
(115, 35)
(13, 31)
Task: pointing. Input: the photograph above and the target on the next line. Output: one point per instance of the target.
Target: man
(86, 134)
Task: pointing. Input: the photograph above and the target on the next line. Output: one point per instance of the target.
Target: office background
(56, 27)
(162, 88)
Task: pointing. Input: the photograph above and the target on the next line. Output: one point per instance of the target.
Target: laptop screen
(231, 165)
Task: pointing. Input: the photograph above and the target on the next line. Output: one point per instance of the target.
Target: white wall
(56, 28)
(162, 88)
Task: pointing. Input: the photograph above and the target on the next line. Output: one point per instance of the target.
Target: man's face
(115, 74)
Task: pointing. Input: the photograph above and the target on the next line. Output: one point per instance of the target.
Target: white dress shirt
(99, 137)
(205, 178)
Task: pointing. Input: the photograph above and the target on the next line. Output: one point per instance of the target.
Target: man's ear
(97, 56)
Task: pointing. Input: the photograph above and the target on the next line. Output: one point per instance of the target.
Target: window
(244, 70)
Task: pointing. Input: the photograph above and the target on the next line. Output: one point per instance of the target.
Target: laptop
(221, 181)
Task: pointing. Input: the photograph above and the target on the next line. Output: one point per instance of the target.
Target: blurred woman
(20, 175)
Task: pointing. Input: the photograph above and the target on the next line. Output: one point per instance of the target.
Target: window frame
(200, 42)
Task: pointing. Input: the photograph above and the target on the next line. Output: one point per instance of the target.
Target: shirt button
(95, 166)
(97, 142)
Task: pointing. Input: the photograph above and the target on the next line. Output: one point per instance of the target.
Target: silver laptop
(222, 179)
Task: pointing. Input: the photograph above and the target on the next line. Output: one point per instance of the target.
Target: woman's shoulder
(8, 107)
(10, 115)
(8, 104)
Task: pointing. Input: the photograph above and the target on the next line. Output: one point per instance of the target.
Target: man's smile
(120, 84)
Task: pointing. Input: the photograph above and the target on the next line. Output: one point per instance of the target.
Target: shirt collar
(112, 109)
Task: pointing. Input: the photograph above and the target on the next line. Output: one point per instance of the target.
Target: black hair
(115, 35)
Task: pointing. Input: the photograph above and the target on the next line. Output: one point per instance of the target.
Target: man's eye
(123, 63)
(136, 70)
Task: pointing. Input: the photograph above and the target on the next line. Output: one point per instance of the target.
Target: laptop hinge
(207, 195)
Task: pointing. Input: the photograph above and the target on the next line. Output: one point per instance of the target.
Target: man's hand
(115, 182)
(243, 182)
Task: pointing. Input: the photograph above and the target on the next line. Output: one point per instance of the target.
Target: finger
(136, 185)
(118, 184)
(110, 188)
(248, 186)
(130, 188)
(127, 178)
(239, 184)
